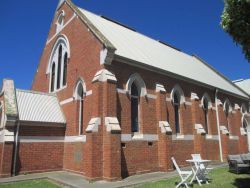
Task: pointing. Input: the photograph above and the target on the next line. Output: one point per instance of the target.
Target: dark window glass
(59, 67)
(205, 108)
(52, 84)
(65, 66)
(245, 124)
(134, 108)
(176, 112)
(80, 110)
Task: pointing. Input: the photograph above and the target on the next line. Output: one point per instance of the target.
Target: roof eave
(173, 75)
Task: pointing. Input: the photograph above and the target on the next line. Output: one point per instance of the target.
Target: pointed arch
(79, 94)
(60, 51)
(207, 98)
(227, 107)
(177, 90)
(79, 83)
(243, 109)
(139, 82)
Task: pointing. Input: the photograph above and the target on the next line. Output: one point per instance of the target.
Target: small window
(80, 93)
(176, 104)
(134, 108)
(227, 110)
(205, 110)
(59, 23)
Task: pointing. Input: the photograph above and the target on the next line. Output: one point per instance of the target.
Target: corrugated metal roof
(38, 107)
(243, 84)
(140, 48)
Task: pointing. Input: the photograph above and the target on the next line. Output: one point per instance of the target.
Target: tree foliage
(235, 20)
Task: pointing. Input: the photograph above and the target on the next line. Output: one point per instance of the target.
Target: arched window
(227, 110)
(134, 108)
(52, 77)
(205, 110)
(245, 124)
(65, 67)
(136, 88)
(177, 97)
(79, 94)
(243, 109)
(176, 103)
(59, 67)
(60, 58)
(80, 108)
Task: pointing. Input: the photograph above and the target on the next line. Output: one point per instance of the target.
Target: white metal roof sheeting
(138, 47)
(243, 84)
(39, 107)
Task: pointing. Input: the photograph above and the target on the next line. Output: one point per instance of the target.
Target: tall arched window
(52, 77)
(80, 94)
(244, 124)
(205, 110)
(65, 67)
(136, 88)
(59, 67)
(60, 57)
(134, 108)
(176, 103)
(227, 110)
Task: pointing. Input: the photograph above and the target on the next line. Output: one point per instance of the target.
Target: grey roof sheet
(140, 48)
(39, 107)
(243, 84)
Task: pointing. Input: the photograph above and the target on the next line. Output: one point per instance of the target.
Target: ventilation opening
(123, 145)
(150, 143)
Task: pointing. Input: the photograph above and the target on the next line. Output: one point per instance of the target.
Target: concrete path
(69, 179)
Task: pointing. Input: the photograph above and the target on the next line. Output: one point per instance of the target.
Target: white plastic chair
(202, 166)
(184, 175)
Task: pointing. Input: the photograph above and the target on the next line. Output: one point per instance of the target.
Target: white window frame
(63, 41)
(59, 26)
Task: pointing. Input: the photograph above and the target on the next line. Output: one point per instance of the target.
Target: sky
(192, 26)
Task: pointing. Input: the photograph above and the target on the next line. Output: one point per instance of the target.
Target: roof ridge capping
(220, 74)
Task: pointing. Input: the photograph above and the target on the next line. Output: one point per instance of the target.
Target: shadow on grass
(241, 182)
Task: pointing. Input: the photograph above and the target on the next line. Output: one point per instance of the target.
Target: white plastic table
(198, 172)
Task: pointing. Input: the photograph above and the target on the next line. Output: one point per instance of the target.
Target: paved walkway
(77, 181)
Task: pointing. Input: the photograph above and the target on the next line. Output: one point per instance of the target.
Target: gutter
(218, 125)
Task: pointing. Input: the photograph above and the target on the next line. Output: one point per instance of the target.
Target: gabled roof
(243, 84)
(139, 48)
(39, 107)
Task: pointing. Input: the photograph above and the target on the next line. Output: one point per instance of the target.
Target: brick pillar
(199, 132)
(6, 155)
(104, 134)
(164, 131)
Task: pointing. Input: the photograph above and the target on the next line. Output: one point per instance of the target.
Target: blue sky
(192, 26)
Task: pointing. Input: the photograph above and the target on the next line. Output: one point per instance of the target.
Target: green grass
(219, 178)
(41, 183)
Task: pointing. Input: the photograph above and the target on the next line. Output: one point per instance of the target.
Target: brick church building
(108, 102)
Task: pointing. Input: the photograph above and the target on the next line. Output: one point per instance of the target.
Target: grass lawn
(41, 183)
(220, 178)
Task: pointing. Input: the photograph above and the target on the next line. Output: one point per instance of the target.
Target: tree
(235, 20)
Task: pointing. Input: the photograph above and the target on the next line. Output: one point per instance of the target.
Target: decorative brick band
(231, 137)
(212, 137)
(183, 137)
(139, 137)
